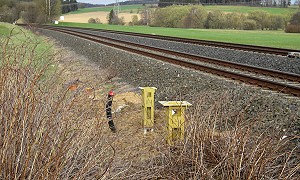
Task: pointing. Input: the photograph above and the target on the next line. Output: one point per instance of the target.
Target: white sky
(99, 1)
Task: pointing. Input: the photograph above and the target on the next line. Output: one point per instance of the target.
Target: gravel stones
(275, 62)
(176, 83)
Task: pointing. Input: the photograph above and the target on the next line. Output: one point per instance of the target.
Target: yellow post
(175, 119)
(148, 107)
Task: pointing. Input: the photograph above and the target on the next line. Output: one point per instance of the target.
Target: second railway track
(253, 48)
(272, 79)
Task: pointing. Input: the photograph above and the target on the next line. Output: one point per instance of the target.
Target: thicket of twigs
(46, 131)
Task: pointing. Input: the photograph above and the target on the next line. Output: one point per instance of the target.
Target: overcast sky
(99, 1)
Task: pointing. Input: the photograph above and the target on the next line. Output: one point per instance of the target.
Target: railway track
(274, 80)
(252, 48)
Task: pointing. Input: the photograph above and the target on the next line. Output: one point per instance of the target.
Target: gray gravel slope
(280, 63)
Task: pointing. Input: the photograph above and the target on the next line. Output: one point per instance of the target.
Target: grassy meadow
(261, 38)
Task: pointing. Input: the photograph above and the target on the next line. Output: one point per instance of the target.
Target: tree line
(35, 11)
(196, 16)
(267, 3)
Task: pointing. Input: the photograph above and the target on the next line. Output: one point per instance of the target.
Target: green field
(247, 9)
(262, 38)
(123, 9)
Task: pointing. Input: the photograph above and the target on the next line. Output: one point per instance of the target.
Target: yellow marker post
(175, 119)
(148, 107)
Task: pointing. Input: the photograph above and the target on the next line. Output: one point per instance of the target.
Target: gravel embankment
(280, 63)
(274, 110)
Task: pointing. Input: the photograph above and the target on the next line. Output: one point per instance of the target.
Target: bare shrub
(292, 28)
(92, 20)
(47, 131)
(95, 21)
(8, 14)
(98, 21)
(135, 20)
(195, 18)
(29, 12)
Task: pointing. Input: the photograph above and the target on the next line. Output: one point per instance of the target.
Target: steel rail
(276, 86)
(253, 48)
(253, 69)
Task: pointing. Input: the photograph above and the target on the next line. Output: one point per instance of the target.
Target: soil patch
(84, 17)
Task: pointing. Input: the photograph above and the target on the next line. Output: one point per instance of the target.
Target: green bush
(249, 24)
(277, 22)
(262, 19)
(215, 20)
(234, 20)
(171, 16)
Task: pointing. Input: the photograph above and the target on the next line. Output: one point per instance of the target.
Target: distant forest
(164, 3)
(31, 11)
(267, 3)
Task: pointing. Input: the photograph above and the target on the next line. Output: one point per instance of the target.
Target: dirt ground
(84, 17)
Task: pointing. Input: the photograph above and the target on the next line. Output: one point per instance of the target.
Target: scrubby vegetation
(198, 17)
(94, 20)
(43, 132)
(114, 19)
(294, 25)
(34, 11)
